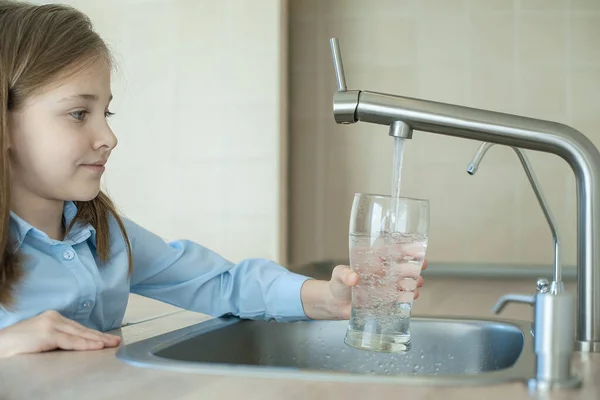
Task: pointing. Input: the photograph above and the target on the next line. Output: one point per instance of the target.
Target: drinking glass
(388, 241)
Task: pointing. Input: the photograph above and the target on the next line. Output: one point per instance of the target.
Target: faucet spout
(478, 157)
(510, 130)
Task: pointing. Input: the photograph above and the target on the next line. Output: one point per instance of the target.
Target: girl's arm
(191, 276)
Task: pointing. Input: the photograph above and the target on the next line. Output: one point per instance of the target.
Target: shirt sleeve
(193, 277)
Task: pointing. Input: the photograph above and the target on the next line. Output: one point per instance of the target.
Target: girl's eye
(79, 115)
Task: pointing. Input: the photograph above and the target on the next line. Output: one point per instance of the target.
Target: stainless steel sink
(444, 351)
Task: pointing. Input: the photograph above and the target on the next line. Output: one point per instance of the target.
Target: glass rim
(390, 197)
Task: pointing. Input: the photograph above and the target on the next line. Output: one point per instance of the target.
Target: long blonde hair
(37, 43)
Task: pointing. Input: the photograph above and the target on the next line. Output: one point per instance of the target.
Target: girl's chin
(86, 195)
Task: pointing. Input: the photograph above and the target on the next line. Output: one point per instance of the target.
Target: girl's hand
(49, 331)
(332, 299)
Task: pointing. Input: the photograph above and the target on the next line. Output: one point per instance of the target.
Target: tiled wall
(534, 58)
(200, 118)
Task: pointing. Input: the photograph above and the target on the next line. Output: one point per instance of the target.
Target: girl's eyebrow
(84, 96)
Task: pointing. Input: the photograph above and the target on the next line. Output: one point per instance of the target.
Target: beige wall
(533, 58)
(200, 118)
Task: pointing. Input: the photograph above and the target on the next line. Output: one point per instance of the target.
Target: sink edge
(141, 354)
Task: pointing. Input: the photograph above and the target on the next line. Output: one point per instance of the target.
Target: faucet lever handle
(338, 65)
(542, 286)
(512, 298)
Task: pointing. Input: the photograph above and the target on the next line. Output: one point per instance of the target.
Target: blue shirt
(68, 277)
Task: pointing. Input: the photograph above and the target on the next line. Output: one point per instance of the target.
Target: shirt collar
(19, 229)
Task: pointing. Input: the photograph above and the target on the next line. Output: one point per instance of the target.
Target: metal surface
(338, 65)
(553, 330)
(537, 190)
(512, 298)
(401, 130)
(444, 351)
(511, 130)
(542, 285)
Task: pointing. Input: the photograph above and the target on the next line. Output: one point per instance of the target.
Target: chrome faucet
(552, 326)
(552, 329)
(404, 114)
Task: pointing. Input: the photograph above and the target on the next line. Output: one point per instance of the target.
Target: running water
(397, 177)
(397, 167)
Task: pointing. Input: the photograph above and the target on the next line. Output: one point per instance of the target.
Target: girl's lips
(95, 167)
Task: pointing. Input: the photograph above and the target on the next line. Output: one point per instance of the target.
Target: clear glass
(388, 242)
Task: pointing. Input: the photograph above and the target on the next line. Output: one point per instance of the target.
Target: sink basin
(444, 351)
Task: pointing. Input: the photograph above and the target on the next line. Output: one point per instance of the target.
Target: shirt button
(69, 255)
(87, 304)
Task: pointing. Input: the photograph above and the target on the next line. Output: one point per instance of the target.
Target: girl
(69, 260)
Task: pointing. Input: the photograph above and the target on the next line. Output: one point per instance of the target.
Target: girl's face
(60, 138)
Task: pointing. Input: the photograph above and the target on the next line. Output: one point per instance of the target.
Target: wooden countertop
(99, 375)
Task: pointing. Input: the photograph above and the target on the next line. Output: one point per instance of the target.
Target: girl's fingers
(66, 341)
(72, 328)
(345, 275)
